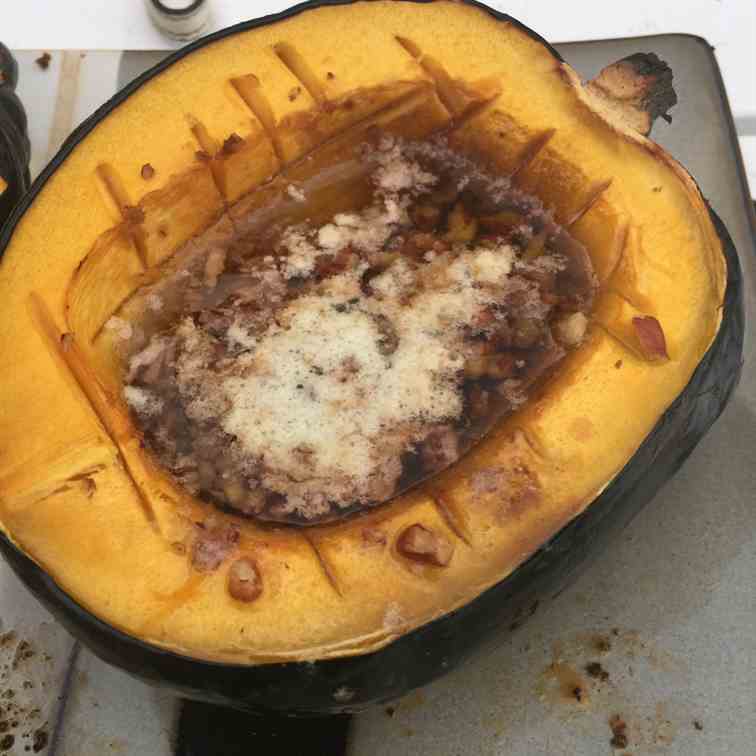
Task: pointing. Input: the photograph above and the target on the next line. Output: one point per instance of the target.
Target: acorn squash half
(94, 527)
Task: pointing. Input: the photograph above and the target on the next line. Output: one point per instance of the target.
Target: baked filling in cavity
(304, 372)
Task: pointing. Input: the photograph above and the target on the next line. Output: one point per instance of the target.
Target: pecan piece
(421, 544)
(651, 337)
(244, 581)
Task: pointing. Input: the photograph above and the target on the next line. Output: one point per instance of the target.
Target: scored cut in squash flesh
(113, 530)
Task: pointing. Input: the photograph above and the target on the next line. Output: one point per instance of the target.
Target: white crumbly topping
(367, 231)
(300, 260)
(143, 401)
(396, 172)
(122, 328)
(484, 265)
(295, 193)
(321, 366)
(571, 329)
(395, 280)
(238, 336)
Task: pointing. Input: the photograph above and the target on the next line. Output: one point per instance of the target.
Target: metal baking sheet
(673, 600)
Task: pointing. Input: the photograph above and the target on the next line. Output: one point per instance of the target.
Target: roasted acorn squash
(343, 618)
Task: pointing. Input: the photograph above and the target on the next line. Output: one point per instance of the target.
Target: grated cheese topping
(321, 366)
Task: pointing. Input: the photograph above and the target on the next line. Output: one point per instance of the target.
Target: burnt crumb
(202, 156)
(618, 365)
(390, 711)
(330, 75)
(24, 651)
(656, 189)
(615, 630)
(40, 740)
(232, 144)
(43, 61)
(162, 232)
(7, 638)
(27, 685)
(66, 340)
(147, 172)
(133, 214)
(7, 742)
(595, 670)
(698, 724)
(294, 92)
(578, 693)
(602, 645)
(619, 732)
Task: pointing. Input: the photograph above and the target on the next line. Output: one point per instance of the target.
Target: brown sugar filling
(301, 373)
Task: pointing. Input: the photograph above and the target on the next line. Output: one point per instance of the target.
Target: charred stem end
(637, 89)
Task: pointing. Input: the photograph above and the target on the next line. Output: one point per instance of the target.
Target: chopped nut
(214, 265)
(462, 226)
(147, 172)
(527, 332)
(244, 581)
(571, 329)
(43, 61)
(426, 217)
(424, 545)
(232, 144)
(535, 248)
(651, 337)
(502, 222)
